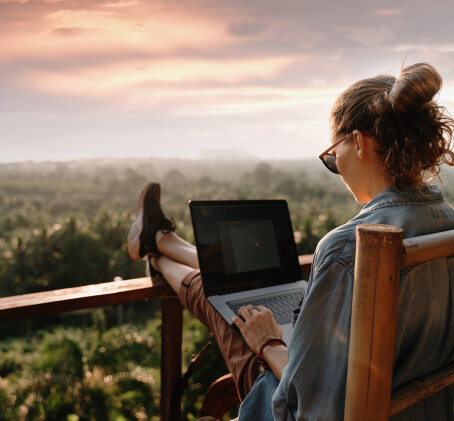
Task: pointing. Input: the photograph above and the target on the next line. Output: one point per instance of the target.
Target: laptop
(247, 255)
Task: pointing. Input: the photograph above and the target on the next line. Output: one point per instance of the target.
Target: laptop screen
(244, 244)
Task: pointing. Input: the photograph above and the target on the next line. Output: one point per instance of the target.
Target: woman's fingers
(250, 312)
(245, 312)
(265, 312)
(244, 315)
(257, 325)
(238, 321)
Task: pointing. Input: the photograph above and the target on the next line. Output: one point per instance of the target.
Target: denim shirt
(313, 383)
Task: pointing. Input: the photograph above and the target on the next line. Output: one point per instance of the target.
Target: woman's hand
(257, 325)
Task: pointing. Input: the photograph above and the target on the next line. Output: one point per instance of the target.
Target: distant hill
(215, 167)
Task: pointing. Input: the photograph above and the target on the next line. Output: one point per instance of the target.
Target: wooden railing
(123, 291)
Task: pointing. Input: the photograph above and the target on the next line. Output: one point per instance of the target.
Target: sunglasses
(329, 159)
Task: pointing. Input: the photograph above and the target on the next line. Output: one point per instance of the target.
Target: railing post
(373, 327)
(171, 340)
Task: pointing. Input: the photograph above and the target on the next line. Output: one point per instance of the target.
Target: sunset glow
(162, 78)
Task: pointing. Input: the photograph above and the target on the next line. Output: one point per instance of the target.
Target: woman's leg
(173, 272)
(179, 250)
(152, 234)
(179, 258)
(187, 283)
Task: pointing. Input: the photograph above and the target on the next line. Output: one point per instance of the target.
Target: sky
(199, 78)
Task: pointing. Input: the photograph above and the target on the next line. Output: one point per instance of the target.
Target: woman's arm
(257, 325)
(276, 357)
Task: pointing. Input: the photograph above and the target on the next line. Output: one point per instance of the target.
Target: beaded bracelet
(260, 359)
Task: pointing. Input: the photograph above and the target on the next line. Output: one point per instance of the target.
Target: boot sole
(133, 240)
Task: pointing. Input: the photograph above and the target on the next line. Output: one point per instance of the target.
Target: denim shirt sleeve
(257, 405)
(313, 383)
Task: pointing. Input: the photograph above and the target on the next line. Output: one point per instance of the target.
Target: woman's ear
(359, 143)
(364, 145)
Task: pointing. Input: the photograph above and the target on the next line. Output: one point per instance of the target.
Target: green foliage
(6, 405)
(118, 348)
(61, 356)
(8, 363)
(65, 224)
(64, 377)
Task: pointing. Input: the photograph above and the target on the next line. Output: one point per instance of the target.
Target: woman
(388, 138)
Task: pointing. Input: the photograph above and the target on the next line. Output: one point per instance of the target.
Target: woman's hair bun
(416, 85)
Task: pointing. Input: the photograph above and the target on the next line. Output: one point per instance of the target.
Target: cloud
(118, 78)
(222, 102)
(387, 12)
(246, 28)
(368, 35)
(31, 1)
(67, 31)
(120, 4)
(440, 47)
(164, 32)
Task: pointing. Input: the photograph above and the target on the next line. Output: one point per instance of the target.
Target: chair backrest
(381, 252)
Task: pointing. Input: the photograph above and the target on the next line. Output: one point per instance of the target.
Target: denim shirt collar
(395, 197)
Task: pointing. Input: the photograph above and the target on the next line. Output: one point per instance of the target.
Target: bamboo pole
(421, 388)
(428, 247)
(373, 328)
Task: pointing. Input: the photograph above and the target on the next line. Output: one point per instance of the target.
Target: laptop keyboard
(282, 305)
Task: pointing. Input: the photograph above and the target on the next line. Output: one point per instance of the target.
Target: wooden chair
(380, 254)
(220, 398)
